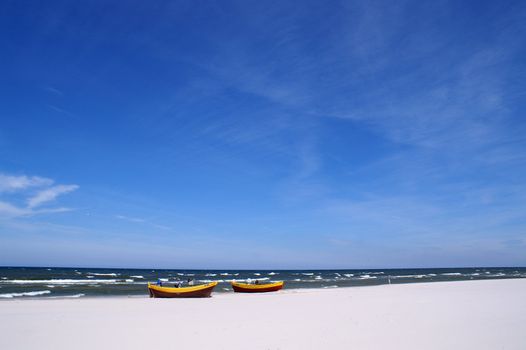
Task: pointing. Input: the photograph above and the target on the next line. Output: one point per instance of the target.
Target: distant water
(31, 282)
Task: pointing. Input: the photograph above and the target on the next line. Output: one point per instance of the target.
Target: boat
(200, 291)
(257, 288)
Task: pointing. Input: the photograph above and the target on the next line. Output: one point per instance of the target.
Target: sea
(54, 282)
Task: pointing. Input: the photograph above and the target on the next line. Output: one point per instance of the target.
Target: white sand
(450, 315)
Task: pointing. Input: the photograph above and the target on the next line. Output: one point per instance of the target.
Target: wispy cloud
(22, 186)
(53, 90)
(138, 220)
(50, 194)
(127, 218)
(11, 183)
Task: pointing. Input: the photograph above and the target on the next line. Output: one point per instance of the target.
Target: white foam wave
(409, 276)
(211, 274)
(257, 274)
(137, 276)
(103, 274)
(225, 274)
(308, 273)
(210, 281)
(25, 294)
(317, 278)
(451, 274)
(74, 295)
(348, 274)
(326, 287)
(65, 281)
(366, 277)
(272, 274)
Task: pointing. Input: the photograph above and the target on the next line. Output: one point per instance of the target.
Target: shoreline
(477, 314)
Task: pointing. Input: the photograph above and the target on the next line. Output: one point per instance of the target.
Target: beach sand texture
(443, 315)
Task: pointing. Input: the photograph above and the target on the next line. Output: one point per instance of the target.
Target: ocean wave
(25, 294)
(225, 274)
(307, 273)
(318, 278)
(326, 287)
(210, 281)
(348, 274)
(138, 276)
(74, 295)
(409, 276)
(451, 274)
(272, 273)
(68, 296)
(66, 281)
(366, 277)
(113, 274)
(211, 274)
(257, 274)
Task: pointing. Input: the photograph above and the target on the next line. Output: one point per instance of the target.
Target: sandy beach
(450, 315)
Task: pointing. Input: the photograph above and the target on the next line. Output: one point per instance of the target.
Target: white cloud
(127, 218)
(8, 210)
(34, 190)
(10, 183)
(50, 194)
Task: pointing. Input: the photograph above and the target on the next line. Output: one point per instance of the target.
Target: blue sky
(255, 134)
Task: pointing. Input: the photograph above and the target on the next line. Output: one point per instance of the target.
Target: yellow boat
(200, 291)
(257, 288)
